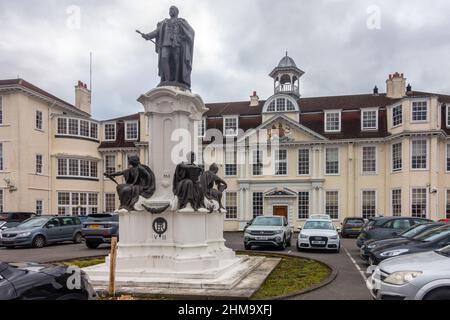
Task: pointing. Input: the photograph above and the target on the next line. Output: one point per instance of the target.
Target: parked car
(402, 238)
(320, 216)
(386, 227)
(352, 227)
(42, 230)
(99, 229)
(445, 220)
(248, 224)
(421, 276)
(268, 231)
(433, 239)
(42, 282)
(13, 219)
(319, 234)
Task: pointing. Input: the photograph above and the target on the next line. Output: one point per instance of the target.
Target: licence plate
(318, 242)
(262, 238)
(95, 226)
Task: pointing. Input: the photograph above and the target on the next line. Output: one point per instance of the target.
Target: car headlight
(393, 253)
(279, 231)
(334, 237)
(24, 234)
(402, 277)
(371, 246)
(303, 236)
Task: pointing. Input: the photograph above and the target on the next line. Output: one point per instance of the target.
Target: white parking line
(361, 272)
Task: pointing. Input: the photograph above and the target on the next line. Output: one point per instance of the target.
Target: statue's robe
(208, 181)
(186, 186)
(187, 48)
(139, 181)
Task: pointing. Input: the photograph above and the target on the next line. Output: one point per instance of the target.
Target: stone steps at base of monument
(229, 278)
(244, 289)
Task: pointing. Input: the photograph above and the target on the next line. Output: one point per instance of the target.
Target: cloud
(238, 43)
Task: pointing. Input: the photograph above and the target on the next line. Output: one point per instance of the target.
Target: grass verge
(292, 275)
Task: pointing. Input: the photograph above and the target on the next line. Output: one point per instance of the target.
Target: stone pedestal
(176, 250)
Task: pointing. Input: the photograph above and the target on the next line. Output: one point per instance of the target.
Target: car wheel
(338, 250)
(289, 242)
(92, 245)
(283, 244)
(438, 294)
(298, 248)
(78, 238)
(38, 242)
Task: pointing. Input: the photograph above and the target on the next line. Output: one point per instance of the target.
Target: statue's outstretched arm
(152, 35)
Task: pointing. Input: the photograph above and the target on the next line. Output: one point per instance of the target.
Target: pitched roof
(27, 85)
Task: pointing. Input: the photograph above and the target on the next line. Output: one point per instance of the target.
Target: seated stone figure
(186, 185)
(139, 182)
(209, 180)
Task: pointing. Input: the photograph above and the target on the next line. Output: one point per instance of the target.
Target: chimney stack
(83, 97)
(254, 100)
(396, 86)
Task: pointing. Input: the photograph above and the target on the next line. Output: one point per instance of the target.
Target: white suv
(319, 234)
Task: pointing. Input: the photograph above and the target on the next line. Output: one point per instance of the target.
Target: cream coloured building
(357, 155)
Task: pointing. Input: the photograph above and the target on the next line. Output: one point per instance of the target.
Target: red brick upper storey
(121, 141)
(312, 112)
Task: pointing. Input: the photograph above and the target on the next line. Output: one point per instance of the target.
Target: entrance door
(280, 211)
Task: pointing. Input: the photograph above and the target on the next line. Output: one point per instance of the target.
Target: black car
(13, 219)
(29, 281)
(430, 240)
(352, 227)
(402, 238)
(99, 229)
(387, 227)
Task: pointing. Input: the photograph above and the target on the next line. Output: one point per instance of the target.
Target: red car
(445, 220)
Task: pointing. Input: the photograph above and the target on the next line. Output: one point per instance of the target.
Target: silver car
(268, 231)
(421, 276)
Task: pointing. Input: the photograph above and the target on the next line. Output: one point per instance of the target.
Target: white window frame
(105, 198)
(362, 201)
(392, 201)
(412, 111)
(41, 164)
(79, 176)
(2, 200)
(115, 131)
(427, 155)
(393, 117)
(275, 161)
(339, 202)
(127, 123)
(1, 111)
(253, 203)
(237, 205)
(40, 114)
(309, 162)
(339, 162)
(105, 162)
(202, 128)
(363, 111)
(42, 206)
(2, 157)
(447, 158)
(309, 204)
(224, 126)
(447, 114)
(328, 112)
(88, 206)
(369, 173)
(427, 210)
(253, 164)
(78, 120)
(393, 169)
(234, 163)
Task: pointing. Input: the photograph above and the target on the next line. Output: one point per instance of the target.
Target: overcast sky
(341, 45)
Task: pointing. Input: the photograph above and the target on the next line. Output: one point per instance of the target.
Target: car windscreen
(415, 230)
(318, 225)
(268, 221)
(33, 223)
(433, 234)
(355, 222)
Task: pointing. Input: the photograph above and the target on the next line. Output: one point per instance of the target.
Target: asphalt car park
(349, 283)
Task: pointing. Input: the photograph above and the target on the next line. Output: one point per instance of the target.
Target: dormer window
(132, 130)
(369, 119)
(332, 121)
(448, 116)
(231, 126)
(110, 131)
(397, 116)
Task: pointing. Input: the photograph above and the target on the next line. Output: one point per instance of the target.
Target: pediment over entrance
(280, 192)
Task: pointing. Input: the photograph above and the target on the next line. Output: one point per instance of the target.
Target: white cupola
(287, 77)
